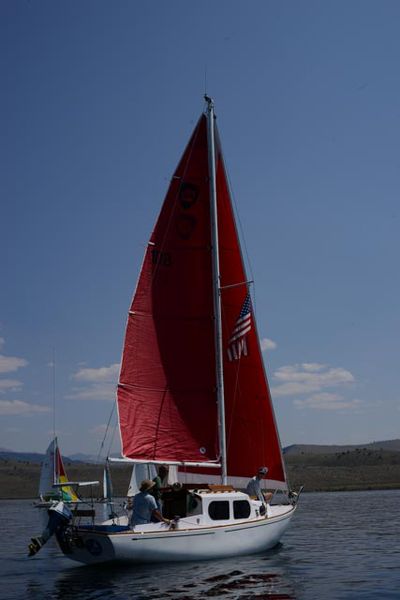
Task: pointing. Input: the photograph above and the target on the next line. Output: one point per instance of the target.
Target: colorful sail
(53, 471)
(167, 389)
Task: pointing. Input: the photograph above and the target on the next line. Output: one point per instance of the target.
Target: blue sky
(98, 100)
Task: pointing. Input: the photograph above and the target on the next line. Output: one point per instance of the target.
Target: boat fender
(59, 517)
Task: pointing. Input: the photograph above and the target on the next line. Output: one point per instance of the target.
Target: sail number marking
(161, 258)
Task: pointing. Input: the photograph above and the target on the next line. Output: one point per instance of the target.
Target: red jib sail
(251, 434)
(167, 390)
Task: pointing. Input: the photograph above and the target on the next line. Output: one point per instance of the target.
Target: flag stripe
(241, 326)
(239, 335)
(243, 318)
(237, 345)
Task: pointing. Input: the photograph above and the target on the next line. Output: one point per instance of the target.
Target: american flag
(237, 343)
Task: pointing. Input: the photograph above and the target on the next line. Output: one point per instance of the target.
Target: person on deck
(253, 488)
(160, 481)
(145, 508)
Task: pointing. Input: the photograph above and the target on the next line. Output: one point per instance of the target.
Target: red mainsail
(167, 391)
(166, 395)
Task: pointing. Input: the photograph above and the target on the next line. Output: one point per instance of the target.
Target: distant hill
(32, 457)
(293, 450)
(36, 457)
(86, 458)
(388, 445)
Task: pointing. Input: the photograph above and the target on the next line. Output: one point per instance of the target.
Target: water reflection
(244, 578)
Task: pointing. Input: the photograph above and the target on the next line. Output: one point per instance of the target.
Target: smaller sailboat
(52, 477)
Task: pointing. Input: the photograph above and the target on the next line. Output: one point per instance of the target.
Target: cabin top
(221, 495)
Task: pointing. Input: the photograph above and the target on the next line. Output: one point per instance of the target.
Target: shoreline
(345, 472)
(319, 491)
(377, 488)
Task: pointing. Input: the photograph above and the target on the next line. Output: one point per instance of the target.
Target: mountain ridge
(389, 445)
(293, 449)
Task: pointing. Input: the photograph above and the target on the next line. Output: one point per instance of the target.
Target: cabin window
(241, 509)
(218, 510)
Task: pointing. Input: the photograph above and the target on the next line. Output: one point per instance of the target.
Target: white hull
(156, 543)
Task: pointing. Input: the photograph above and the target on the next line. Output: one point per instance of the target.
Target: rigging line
(159, 420)
(112, 437)
(105, 433)
(235, 391)
(238, 220)
(53, 364)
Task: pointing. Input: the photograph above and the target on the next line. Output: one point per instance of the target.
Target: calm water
(340, 545)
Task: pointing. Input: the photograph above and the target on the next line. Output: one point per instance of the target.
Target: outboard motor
(59, 517)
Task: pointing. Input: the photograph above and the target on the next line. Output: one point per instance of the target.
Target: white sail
(140, 472)
(48, 472)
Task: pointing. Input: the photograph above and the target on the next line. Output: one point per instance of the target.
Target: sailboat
(192, 391)
(53, 477)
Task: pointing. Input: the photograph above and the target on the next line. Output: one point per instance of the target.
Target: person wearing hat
(253, 488)
(145, 507)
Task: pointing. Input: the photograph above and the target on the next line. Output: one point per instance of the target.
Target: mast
(55, 444)
(216, 287)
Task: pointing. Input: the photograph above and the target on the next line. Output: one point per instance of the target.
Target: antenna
(53, 364)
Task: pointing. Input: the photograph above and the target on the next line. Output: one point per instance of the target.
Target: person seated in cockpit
(145, 509)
